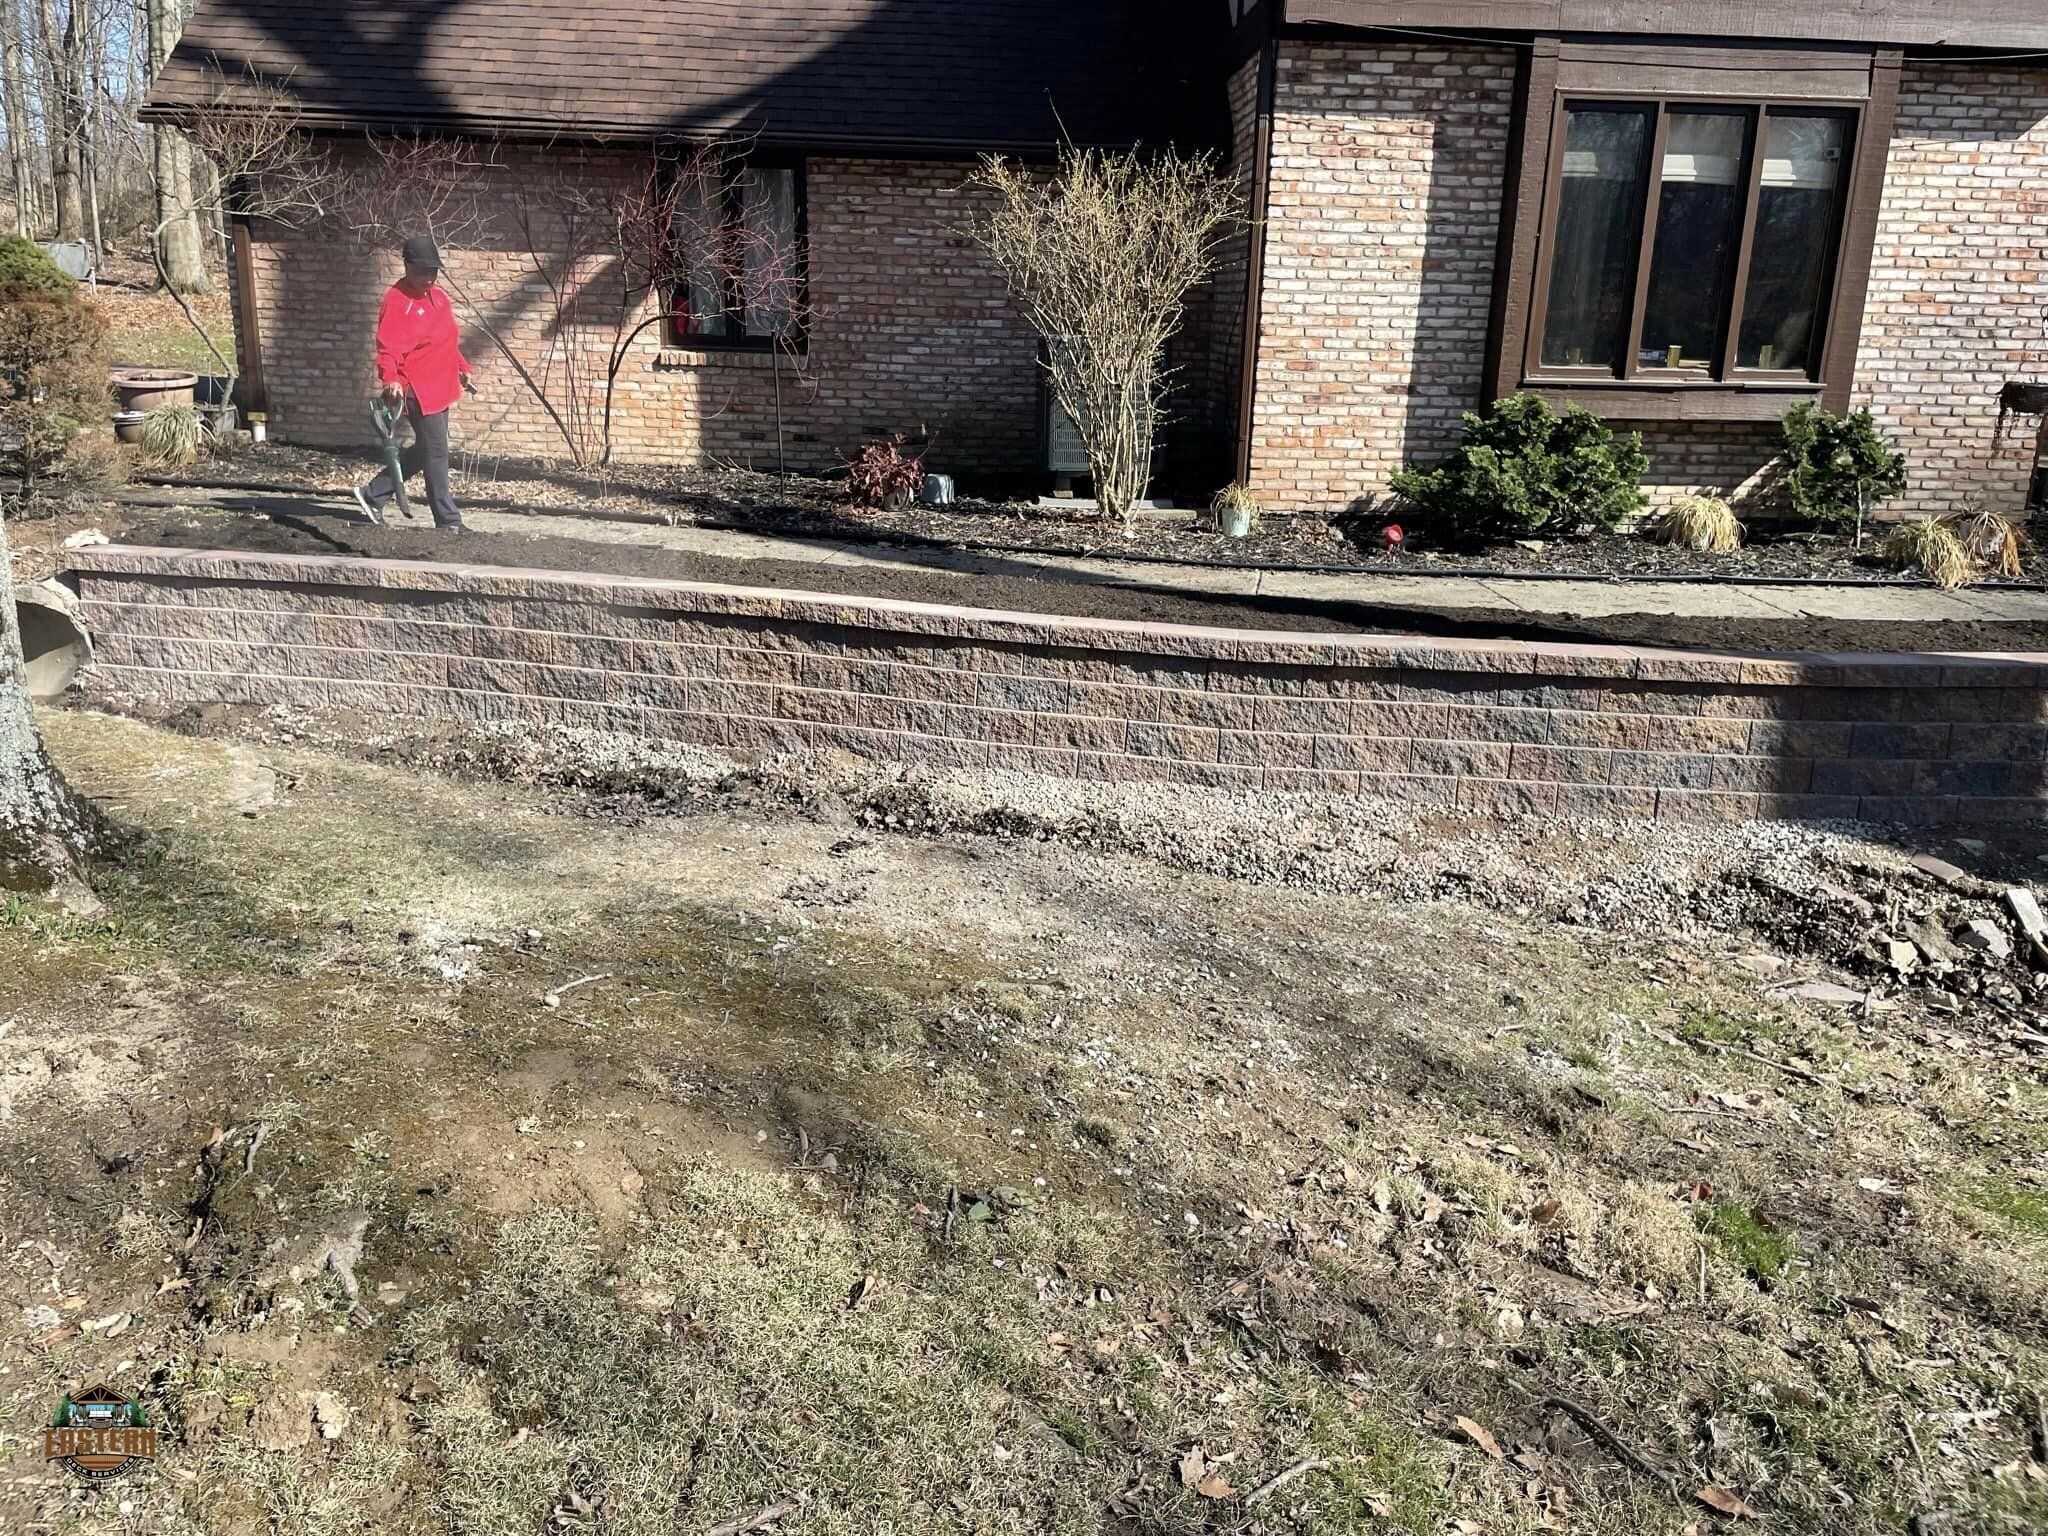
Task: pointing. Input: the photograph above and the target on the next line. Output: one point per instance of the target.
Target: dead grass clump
(1650, 1239)
(1930, 547)
(856, 1390)
(1997, 544)
(1705, 524)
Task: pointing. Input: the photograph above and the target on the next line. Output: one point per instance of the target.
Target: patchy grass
(2024, 1209)
(987, 1200)
(1748, 1238)
(145, 328)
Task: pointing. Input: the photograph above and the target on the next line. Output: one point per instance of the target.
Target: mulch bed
(318, 528)
(812, 507)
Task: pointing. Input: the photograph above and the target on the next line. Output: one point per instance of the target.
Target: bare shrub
(1101, 256)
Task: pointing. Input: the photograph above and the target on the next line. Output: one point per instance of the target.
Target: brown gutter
(1255, 260)
(253, 389)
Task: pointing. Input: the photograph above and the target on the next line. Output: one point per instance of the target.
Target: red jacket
(417, 347)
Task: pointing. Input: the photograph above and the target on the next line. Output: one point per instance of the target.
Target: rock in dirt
(1825, 992)
(1760, 965)
(2032, 923)
(1846, 898)
(331, 1414)
(1941, 869)
(1902, 955)
(283, 1421)
(1982, 933)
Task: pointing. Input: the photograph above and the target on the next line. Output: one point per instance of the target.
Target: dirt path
(753, 1151)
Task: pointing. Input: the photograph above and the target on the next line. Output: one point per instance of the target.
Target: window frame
(1557, 76)
(798, 339)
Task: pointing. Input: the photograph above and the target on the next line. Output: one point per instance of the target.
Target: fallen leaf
(174, 1283)
(1479, 1436)
(1215, 1486)
(863, 1288)
(1194, 1466)
(1721, 1500)
(1545, 1213)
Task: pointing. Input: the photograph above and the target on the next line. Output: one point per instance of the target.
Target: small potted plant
(1235, 511)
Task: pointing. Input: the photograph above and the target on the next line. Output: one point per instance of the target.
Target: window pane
(1794, 245)
(699, 251)
(768, 264)
(1597, 239)
(1699, 218)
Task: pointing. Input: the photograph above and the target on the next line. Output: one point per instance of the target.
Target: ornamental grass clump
(1704, 524)
(172, 436)
(1996, 544)
(1929, 546)
(1522, 469)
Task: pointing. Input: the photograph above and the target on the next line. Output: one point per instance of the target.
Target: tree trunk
(46, 829)
(62, 117)
(14, 106)
(179, 241)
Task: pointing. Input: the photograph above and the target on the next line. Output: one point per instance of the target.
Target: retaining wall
(1477, 726)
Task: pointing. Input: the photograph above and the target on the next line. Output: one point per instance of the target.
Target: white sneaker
(370, 513)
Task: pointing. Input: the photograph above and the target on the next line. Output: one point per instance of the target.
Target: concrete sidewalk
(1589, 598)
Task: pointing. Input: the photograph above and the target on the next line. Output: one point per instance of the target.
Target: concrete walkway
(1591, 598)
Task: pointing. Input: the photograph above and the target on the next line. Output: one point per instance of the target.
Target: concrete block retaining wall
(1481, 726)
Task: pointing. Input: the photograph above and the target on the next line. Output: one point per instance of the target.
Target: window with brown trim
(736, 259)
(1692, 241)
(1671, 254)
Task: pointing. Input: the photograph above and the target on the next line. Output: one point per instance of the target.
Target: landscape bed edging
(1483, 726)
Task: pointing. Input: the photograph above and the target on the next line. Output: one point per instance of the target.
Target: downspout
(1255, 260)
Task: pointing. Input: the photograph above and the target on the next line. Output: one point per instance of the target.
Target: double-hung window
(1679, 254)
(737, 255)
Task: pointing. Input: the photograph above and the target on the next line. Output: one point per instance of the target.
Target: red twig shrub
(881, 474)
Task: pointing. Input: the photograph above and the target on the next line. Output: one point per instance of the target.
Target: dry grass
(1706, 524)
(759, 1216)
(1996, 544)
(1932, 548)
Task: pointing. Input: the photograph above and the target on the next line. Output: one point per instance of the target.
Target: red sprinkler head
(1392, 538)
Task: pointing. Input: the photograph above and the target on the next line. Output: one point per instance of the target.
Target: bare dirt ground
(503, 1135)
(745, 496)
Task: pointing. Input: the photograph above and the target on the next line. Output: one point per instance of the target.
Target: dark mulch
(314, 527)
(812, 507)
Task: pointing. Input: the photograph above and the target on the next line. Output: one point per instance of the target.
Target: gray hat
(419, 251)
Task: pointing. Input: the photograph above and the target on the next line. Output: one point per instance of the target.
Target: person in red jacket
(419, 363)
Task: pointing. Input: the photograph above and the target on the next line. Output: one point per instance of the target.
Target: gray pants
(427, 452)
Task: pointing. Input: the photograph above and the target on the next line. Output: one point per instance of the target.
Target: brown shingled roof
(883, 74)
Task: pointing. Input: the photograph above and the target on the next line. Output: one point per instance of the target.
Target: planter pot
(144, 389)
(128, 425)
(1234, 522)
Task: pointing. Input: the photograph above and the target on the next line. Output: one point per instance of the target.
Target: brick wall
(1959, 281)
(1387, 172)
(913, 333)
(1483, 726)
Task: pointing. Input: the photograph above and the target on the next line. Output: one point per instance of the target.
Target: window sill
(669, 358)
(1701, 400)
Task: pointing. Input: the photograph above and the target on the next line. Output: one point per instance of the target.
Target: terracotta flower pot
(144, 389)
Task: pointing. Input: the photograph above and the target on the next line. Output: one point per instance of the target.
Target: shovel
(385, 418)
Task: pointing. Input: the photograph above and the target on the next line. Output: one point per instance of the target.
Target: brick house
(1686, 218)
